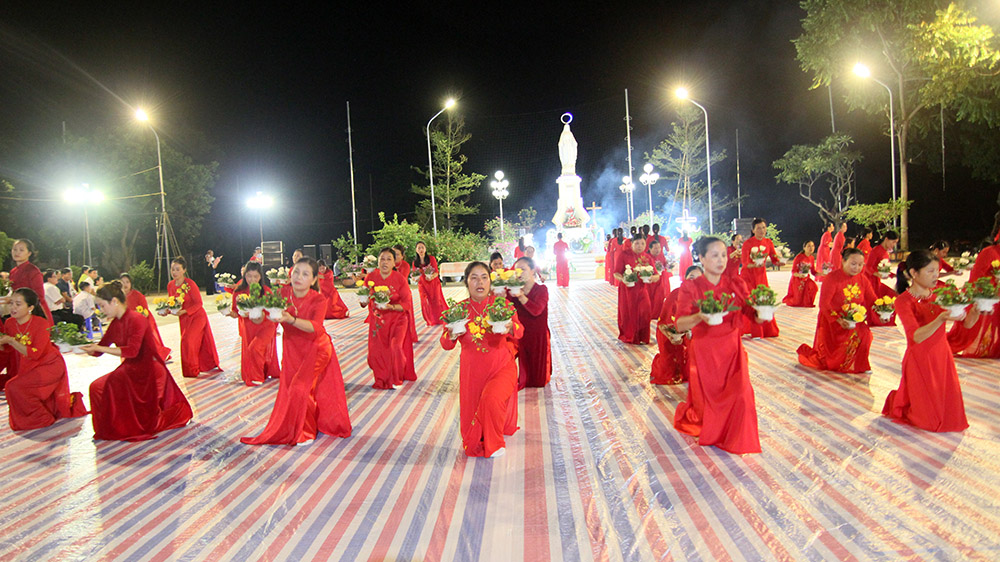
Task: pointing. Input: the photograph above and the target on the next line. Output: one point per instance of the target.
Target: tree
(452, 188)
(824, 174)
(877, 216)
(932, 55)
(680, 158)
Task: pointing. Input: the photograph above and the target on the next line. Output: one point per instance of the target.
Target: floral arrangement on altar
(223, 302)
(169, 304)
(279, 275)
(884, 307)
(66, 336)
(365, 292)
(953, 299)
(369, 263)
(499, 314)
(645, 272)
(715, 308)
(884, 268)
(983, 293)
(225, 279)
(629, 277)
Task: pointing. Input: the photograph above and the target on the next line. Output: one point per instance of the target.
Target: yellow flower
(879, 302)
(995, 264)
(517, 271)
(371, 283)
(493, 276)
(381, 289)
(858, 317)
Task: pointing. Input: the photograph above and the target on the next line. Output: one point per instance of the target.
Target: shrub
(142, 277)
(397, 232)
(458, 246)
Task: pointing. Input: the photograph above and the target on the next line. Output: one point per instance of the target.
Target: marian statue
(567, 151)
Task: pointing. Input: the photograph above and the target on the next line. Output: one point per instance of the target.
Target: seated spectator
(84, 303)
(65, 284)
(84, 276)
(56, 301)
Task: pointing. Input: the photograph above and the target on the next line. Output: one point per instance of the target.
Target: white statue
(567, 151)
(570, 215)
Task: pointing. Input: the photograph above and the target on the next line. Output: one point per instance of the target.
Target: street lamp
(683, 94)
(83, 195)
(864, 72)
(430, 163)
(260, 202)
(627, 187)
(648, 178)
(164, 222)
(499, 186)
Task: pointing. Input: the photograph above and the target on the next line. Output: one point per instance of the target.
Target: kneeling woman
(929, 394)
(487, 371)
(720, 409)
(311, 394)
(390, 346)
(138, 399)
(801, 288)
(38, 391)
(839, 344)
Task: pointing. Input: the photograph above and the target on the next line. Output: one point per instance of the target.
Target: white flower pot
(715, 319)
(273, 280)
(956, 311)
(515, 291)
(500, 327)
(243, 312)
(499, 290)
(644, 278)
(363, 300)
(457, 328)
(175, 310)
(985, 306)
(78, 349)
(883, 274)
(765, 313)
(256, 312)
(64, 347)
(759, 262)
(884, 316)
(274, 313)
(369, 269)
(851, 324)
(381, 305)
(428, 276)
(675, 339)
(629, 283)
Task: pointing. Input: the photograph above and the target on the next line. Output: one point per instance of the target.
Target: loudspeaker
(273, 260)
(309, 251)
(743, 226)
(326, 253)
(273, 247)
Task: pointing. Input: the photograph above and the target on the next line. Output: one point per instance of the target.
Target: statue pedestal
(570, 211)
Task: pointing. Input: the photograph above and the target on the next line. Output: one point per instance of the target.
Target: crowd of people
(699, 326)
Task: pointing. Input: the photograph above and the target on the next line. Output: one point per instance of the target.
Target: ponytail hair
(112, 290)
(917, 260)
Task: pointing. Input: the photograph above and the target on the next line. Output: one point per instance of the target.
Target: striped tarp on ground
(596, 472)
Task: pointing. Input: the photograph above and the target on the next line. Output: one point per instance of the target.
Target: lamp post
(430, 164)
(260, 202)
(627, 187)
(86, 197)
(683, 94)
(648, 178)
(164, 223)
(864, 72)
(499, 186)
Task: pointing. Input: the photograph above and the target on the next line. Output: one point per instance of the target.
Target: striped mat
(597, 471)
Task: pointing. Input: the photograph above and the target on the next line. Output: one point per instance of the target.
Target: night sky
(267, 89)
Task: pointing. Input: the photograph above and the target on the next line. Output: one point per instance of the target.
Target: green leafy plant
(274, 300)
(711, 305)
(457, 311)
(500, 310)
(981, 288)
(143, 278)
(68, 334)
(762, 295)
(951, 295)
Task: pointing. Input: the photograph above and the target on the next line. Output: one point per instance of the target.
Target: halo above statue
(566, 118)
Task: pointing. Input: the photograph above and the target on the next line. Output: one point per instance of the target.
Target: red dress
(633, 302)
(752, 276)
(878, 254)
(560, 249)
(133, 300)
(28, 275)
(311, 394)
(335, 307)
(38, 390)
(982, 340)
(258, 345)
(139, 398)
(198, 353)
(684, 261)
(929, 394)
(487, 387)
(404, 269)
(657, 291)
(663, 242)
(865, 246)
(518, 253)
(834, 348)
(432, 301)
(670, 366)
(734, 262)
(610, 260)
(534, 353)
(390, 348)
(823, 254)
(802, 290)
(720, 409)
(836, 259)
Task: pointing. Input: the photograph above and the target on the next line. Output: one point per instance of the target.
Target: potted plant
(983, 293)
(953, 299)
(852, 313)
(370, 263)
(764, 300)
(884, 307)
(381, 295)
(67, 337)
(715, 308)
(455, 317)
(500, 313)
(629, 277)
(274, 305)
(365, 292)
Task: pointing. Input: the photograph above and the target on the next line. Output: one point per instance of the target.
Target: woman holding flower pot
(487, 369)
(982, 340)
(198, 353)
(335, 307)
(670, 365)
(38, 391)
(720, 409)
(534, 353)
(399, 253)
(390, 345)
(843, 339)
(801, 287)
(756, 251)
(311, 396)
(139, 398)
(432, 302)
(929, 394)
(878, 259)
(634, 312)
(258, 336)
